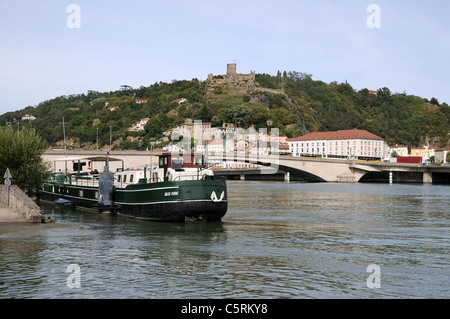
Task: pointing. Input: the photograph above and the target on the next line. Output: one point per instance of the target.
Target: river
(278, 240)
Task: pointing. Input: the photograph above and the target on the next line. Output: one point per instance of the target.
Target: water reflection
(278, 240)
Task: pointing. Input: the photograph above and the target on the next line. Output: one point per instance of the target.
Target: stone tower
(231, 69)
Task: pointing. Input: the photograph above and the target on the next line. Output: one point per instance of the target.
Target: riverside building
(346, 144)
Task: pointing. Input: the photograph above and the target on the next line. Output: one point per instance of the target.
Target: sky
(55, 47)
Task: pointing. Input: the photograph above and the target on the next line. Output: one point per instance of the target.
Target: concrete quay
(21, 208)
(8, 215)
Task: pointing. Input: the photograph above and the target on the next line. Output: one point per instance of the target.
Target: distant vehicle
(369, 158)
(280, 153)
(311, 155)
(413, 159)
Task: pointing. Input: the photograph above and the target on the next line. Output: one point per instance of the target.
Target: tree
(154, 127)
(281, 117)
(434, 101)
(384, 92)
(237, 115)
(203, 113)
(21, 152)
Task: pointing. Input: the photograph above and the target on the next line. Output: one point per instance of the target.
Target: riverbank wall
(20, 203)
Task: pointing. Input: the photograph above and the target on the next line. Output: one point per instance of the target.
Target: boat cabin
(172, 167)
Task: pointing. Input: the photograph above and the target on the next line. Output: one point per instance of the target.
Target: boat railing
(121, 184)
(193, 177)
(155, 180)
(57, 177)
(84, 180)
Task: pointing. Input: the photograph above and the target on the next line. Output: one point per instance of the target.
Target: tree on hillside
(154, 127)
(434, 101)
(237, 115)
(21, 152)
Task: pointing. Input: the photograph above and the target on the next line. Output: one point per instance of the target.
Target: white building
(214, 146)
(140, 125)
(400, 150)
(339, 144)
(440, 155)
(28, 118)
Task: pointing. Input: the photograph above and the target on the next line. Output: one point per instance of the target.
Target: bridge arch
(316, 170)
(307, 176)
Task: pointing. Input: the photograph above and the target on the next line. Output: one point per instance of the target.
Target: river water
(278, 240)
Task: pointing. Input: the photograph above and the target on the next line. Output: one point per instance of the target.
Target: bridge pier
(427, 178)
(287, 176)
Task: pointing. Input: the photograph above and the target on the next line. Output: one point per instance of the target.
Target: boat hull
(176, 211)
(165, 201)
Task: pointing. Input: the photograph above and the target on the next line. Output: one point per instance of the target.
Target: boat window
(124, 178)
(177, 163)
(163, 161)
(119, 177)
(131, 178)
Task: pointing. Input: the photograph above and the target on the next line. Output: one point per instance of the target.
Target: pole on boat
(65, 147)
(206, 154)
(105, 187)
(151, 161)
(106, 169)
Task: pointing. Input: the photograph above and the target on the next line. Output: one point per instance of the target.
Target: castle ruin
(234, 84)
(232, 78)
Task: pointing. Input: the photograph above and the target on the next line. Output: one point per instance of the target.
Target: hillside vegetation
(305, 106)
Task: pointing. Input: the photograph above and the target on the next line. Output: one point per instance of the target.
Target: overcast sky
(50, 48)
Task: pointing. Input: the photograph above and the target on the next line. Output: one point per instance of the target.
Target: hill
(291, 101)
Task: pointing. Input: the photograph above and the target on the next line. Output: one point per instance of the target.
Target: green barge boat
(176, 190)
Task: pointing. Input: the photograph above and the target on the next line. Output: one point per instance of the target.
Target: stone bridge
(350, 171)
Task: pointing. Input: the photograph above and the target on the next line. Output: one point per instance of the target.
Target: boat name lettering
(170, 193)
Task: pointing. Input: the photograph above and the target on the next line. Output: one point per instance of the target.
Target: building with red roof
(339, 144)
